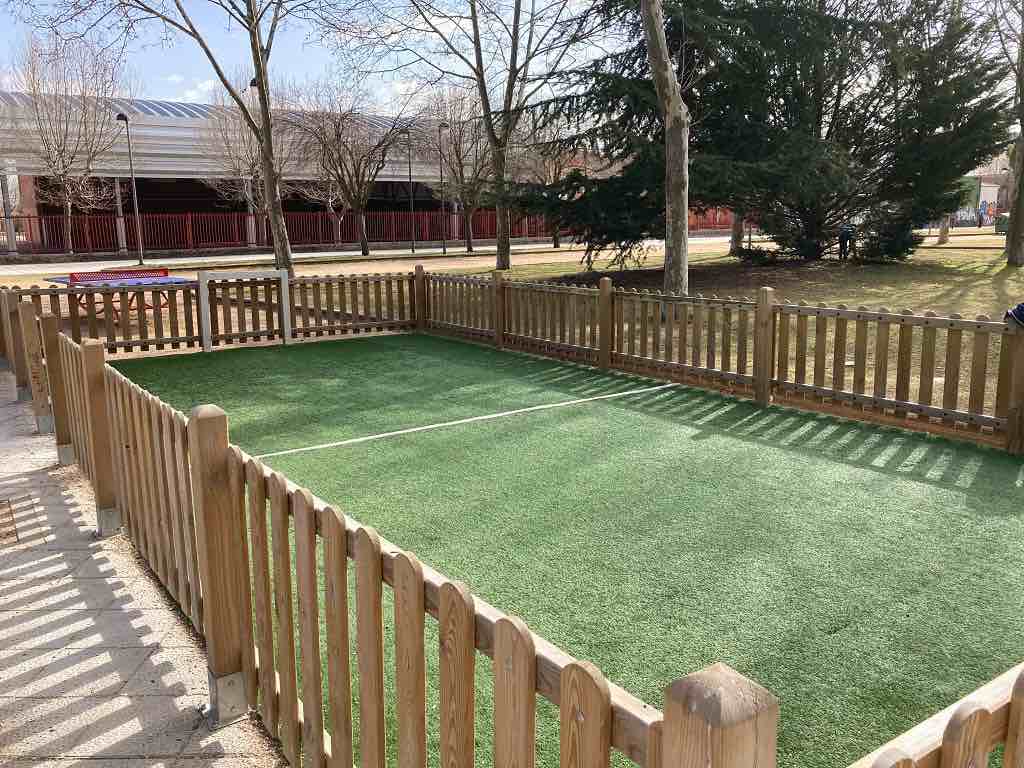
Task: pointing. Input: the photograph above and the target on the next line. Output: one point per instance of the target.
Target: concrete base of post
(227, 699)
(44, 424)
(66, 455)
(24, 394)
(108, 522)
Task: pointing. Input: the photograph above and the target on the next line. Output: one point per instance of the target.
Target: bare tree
(466, 153)
(238, 158)
(259, 20)
(676, 118)
(507, 50)
(351, 145)
(323, 191)
(1008, 16)
(70, 113)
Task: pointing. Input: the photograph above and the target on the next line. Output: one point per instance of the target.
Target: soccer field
(868, 577)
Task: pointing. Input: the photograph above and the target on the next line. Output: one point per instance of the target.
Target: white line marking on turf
(470, 420)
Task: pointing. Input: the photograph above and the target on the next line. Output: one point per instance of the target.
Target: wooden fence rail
(964, 734)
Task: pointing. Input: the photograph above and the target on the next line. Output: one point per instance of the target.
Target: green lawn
(868, 577)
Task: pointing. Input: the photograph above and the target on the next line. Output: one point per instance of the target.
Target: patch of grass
(868, 577)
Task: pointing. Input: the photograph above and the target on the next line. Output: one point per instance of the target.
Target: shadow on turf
(976, 470)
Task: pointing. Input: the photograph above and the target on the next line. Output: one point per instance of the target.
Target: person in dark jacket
(1015, 315)
(845, 241)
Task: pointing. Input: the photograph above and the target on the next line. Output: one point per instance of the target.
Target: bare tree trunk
(275, 211)
(504, 246)
(364, 244)
(736, 236)
(1015, 233)
(69, 247)
(944, 229)
(677, 147)
(467, 225)
(336, 224)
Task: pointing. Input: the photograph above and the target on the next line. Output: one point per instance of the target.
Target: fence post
(108, 517)
(34, 365)
(286, 307)
(717, 718)
(1015, 409)
(58, 394)
(499, 308)
(220, 541)
(605, 323)
(421, 298)
(13, 323)
(763, 342)
(205, 334)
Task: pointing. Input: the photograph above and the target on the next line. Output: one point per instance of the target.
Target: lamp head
(122, 118)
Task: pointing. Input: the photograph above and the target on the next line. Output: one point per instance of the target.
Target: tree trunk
(275, 211)
(556, 238)
(364, 244)
(736, 236)
(1015, 233)
(501, 211)
(944, 229)
(336, 224)
(467, 225)
(677, 146)
(69, 246)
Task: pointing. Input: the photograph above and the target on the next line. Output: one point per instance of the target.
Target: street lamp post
(412, 208)
(122, 117)
(440, 167)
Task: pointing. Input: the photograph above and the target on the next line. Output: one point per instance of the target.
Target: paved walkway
(97, 668)
(377, 261)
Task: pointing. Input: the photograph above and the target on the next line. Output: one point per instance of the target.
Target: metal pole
(412, 209)
(135, 194)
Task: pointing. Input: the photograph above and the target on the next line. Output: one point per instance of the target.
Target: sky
(178, 70)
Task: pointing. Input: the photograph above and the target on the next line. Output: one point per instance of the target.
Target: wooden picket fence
(241, 310)
(947, 375)
(260, 566)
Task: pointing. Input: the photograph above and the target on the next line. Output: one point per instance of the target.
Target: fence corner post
(420, 292)
(286, 306)
(717, 718)
(17, 352)
(220, 542)
(34, 366)
(605, 323)
(48, 324)
(763, 342)
(108, 516)
(498, 308)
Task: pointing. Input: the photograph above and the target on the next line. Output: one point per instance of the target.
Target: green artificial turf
(868, 577)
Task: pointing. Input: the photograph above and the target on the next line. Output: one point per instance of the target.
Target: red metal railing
(196, 231)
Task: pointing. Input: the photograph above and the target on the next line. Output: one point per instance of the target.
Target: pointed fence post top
(717, 718)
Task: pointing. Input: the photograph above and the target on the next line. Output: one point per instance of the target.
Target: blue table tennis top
(124, 281)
